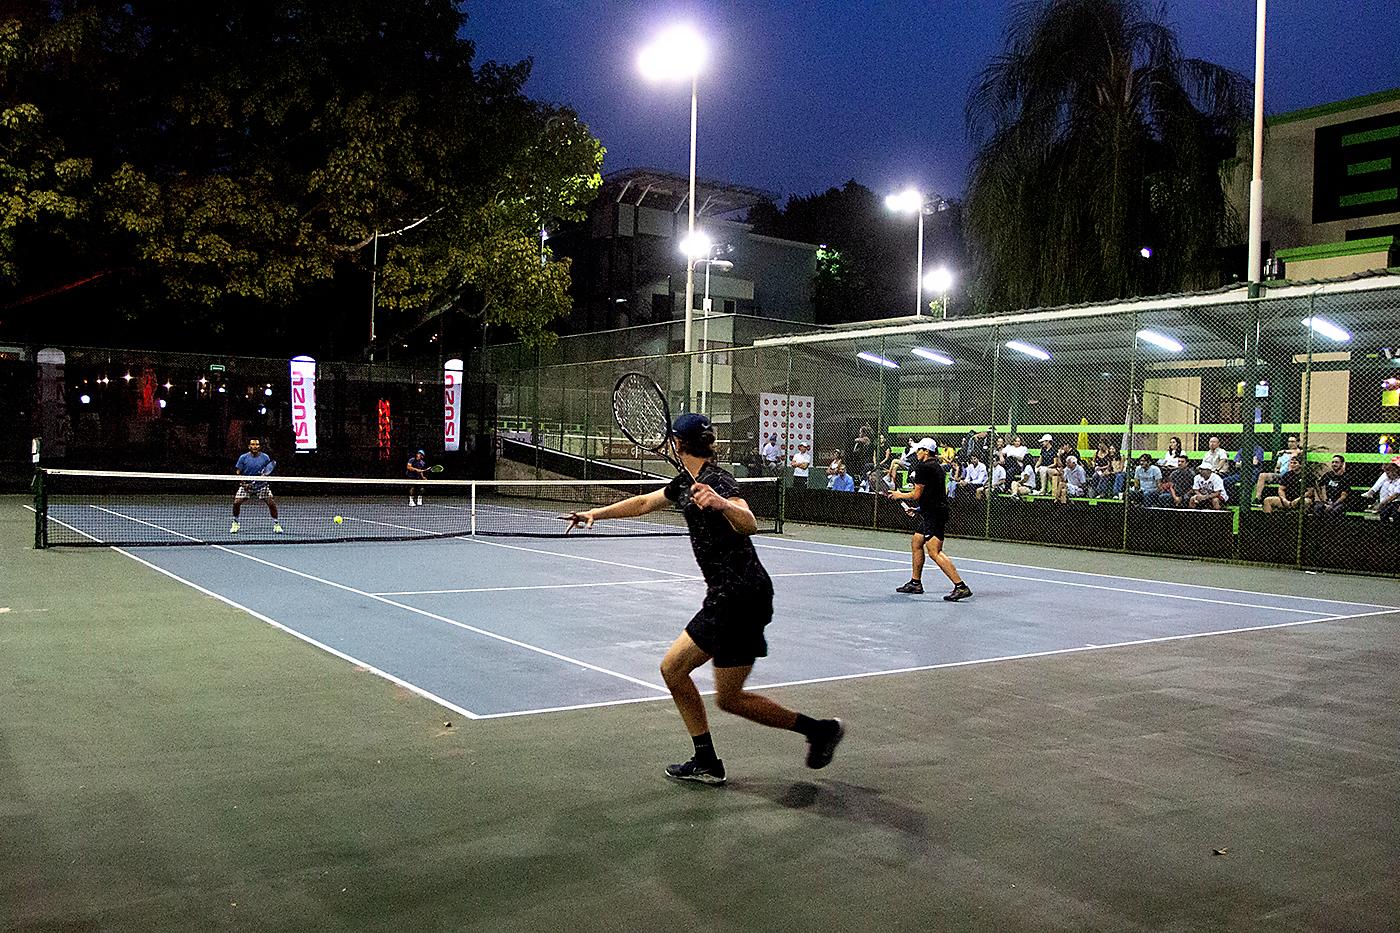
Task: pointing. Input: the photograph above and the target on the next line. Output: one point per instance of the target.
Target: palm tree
(1095, 138)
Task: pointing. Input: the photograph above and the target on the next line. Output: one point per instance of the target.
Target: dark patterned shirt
(727, 558)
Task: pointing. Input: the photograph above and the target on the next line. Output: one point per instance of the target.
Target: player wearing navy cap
(728, 629)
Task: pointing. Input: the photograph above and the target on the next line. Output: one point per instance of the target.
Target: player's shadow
(838, 799)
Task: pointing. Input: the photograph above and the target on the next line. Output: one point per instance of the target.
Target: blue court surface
(494, 627)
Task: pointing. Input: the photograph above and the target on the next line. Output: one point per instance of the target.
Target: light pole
(914, 201)
(677, 54)
(940, 280)
(699, 250)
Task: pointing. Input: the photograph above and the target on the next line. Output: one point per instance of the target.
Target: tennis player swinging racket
(728, 629)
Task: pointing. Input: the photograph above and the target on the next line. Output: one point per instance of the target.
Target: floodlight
(1028, 349)
(877, 360)
(931, 355)
(1160, 340)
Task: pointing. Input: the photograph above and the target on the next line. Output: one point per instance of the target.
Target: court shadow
(841, 800)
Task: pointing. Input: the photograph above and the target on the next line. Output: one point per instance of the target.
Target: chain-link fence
(1205, 426)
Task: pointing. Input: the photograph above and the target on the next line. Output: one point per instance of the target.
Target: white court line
(407, 608)
(378, 672)
(1108, 576)
(1090, 586)
(572, 586)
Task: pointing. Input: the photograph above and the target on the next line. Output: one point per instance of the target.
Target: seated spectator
(862, 448)
(1024, 485)
(1290, 492)
(1147, 481)
(998, 482)
(905, 461)
(842, 481)
(1386, 491)
(1170, 461)
(772, 453)
(884, 455)
(973, 478)
(1102, 481)
(1176, 491)
(1045, 465)
(1333, 489)
(1074, 482)
(1286, 462)
(1017, 452)
(838, 460)
(1208, 490)
(1215, 457)
(1246, 468)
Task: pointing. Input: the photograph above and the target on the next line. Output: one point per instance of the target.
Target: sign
(303, 371)
(791, 417)
(216, 367)
(452, 405)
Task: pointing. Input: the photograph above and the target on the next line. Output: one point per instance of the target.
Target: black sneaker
(961, 591)
(821, 751)
(692, 770)
(913, 586)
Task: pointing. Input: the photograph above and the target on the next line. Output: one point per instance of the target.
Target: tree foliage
(1096, 137)
(227, 159)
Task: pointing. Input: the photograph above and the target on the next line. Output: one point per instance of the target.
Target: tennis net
(100, 508)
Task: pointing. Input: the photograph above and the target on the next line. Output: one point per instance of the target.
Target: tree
(1097, 137)
(228, 161)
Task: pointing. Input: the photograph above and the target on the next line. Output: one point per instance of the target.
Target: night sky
(803, 95)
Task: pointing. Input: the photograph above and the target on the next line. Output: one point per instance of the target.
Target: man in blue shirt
(253, 463)
(842, 481)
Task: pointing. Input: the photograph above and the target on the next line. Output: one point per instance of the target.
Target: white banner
(790, 417)
(452, 405)
(303, 369)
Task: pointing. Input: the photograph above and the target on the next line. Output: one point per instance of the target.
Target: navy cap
(691, 425)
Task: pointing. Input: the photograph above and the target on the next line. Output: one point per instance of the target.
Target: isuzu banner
(303, 369)
(452, 405)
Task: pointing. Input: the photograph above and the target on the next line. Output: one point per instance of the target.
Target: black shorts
(731, 630)
(931, 524)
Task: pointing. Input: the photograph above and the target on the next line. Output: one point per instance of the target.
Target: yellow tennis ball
(338, 519)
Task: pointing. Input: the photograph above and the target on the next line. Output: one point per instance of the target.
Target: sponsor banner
(791, 417)
(303, 370)
(452, 405)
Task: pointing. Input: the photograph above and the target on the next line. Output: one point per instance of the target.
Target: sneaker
(913, 586)
(692, 770)
(411, 503)
(821, 751)
(961, 591)
(276, 528)
(233, 529)
(420, 500)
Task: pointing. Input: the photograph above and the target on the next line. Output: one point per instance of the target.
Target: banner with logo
(303, 370)
(452, 405)
(790, 417)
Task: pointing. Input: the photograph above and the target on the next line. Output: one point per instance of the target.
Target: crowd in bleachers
(1214, 480)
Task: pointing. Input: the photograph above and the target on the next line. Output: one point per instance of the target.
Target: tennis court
(1092, 742)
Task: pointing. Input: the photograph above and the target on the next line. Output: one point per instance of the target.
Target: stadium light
(697, 245)
(1327, 329)
(931, 355)
(1028, 349)
(940, 280)
(1160, 340)
(877, 359)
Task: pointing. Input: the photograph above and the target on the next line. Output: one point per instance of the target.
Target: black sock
(811, 728)
(704, 748)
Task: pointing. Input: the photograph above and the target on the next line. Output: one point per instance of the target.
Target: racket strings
(641, 413)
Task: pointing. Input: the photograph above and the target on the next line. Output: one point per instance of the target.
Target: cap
(927, 443)
(1071, 459)
(691, 425)
(1207, 467)
(1046, 437)
(421, 454)
(803, 444)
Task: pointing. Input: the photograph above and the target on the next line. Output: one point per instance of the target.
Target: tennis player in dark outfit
(728, 629)
(930, 489)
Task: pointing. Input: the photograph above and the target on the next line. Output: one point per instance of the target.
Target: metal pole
(919, 262)
(1256, 185)
(373, 285)
(708, 380)
(690, 228)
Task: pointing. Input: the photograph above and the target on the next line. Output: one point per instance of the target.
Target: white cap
(1207, 467)
(1046, 437)
(927, 443)
(1071, 460)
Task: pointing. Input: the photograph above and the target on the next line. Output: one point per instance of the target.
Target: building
(1331, 187)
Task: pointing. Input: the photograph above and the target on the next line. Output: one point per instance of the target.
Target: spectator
(1046, 464)
(1169, 462)
(1284, 464)
(1290, 492)
(838, 459)
(1177, 489)
(1333, 489)
(1024, 485)
(772, 453)
(1245, 470)
(801, 463)
(905, 462)
(1208, 490)
(998, 482)
(1074, 481)
(1147, 481)
(1120, 471)
(974, 477)
(862, 448)
(1015, 451)
(842, 481)
(1214, 457)
(1386, 491)
(884, 455)
(1101, 482)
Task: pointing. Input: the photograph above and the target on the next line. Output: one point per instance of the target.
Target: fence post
(1304, 431)
(1129, 419)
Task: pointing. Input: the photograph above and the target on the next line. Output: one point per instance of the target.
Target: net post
(473, 509)
(780, 506)
(41, 511)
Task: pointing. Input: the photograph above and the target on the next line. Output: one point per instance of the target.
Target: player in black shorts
(930, 489)
(738, 605)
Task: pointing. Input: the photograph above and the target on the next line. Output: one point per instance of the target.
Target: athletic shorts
(252, 491)
(931, 524)
(731, 631)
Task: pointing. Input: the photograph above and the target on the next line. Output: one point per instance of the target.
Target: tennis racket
(435, 468)
(267, 470)
(641, 412)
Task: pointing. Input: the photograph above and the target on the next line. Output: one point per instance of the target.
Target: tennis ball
(338, 519)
